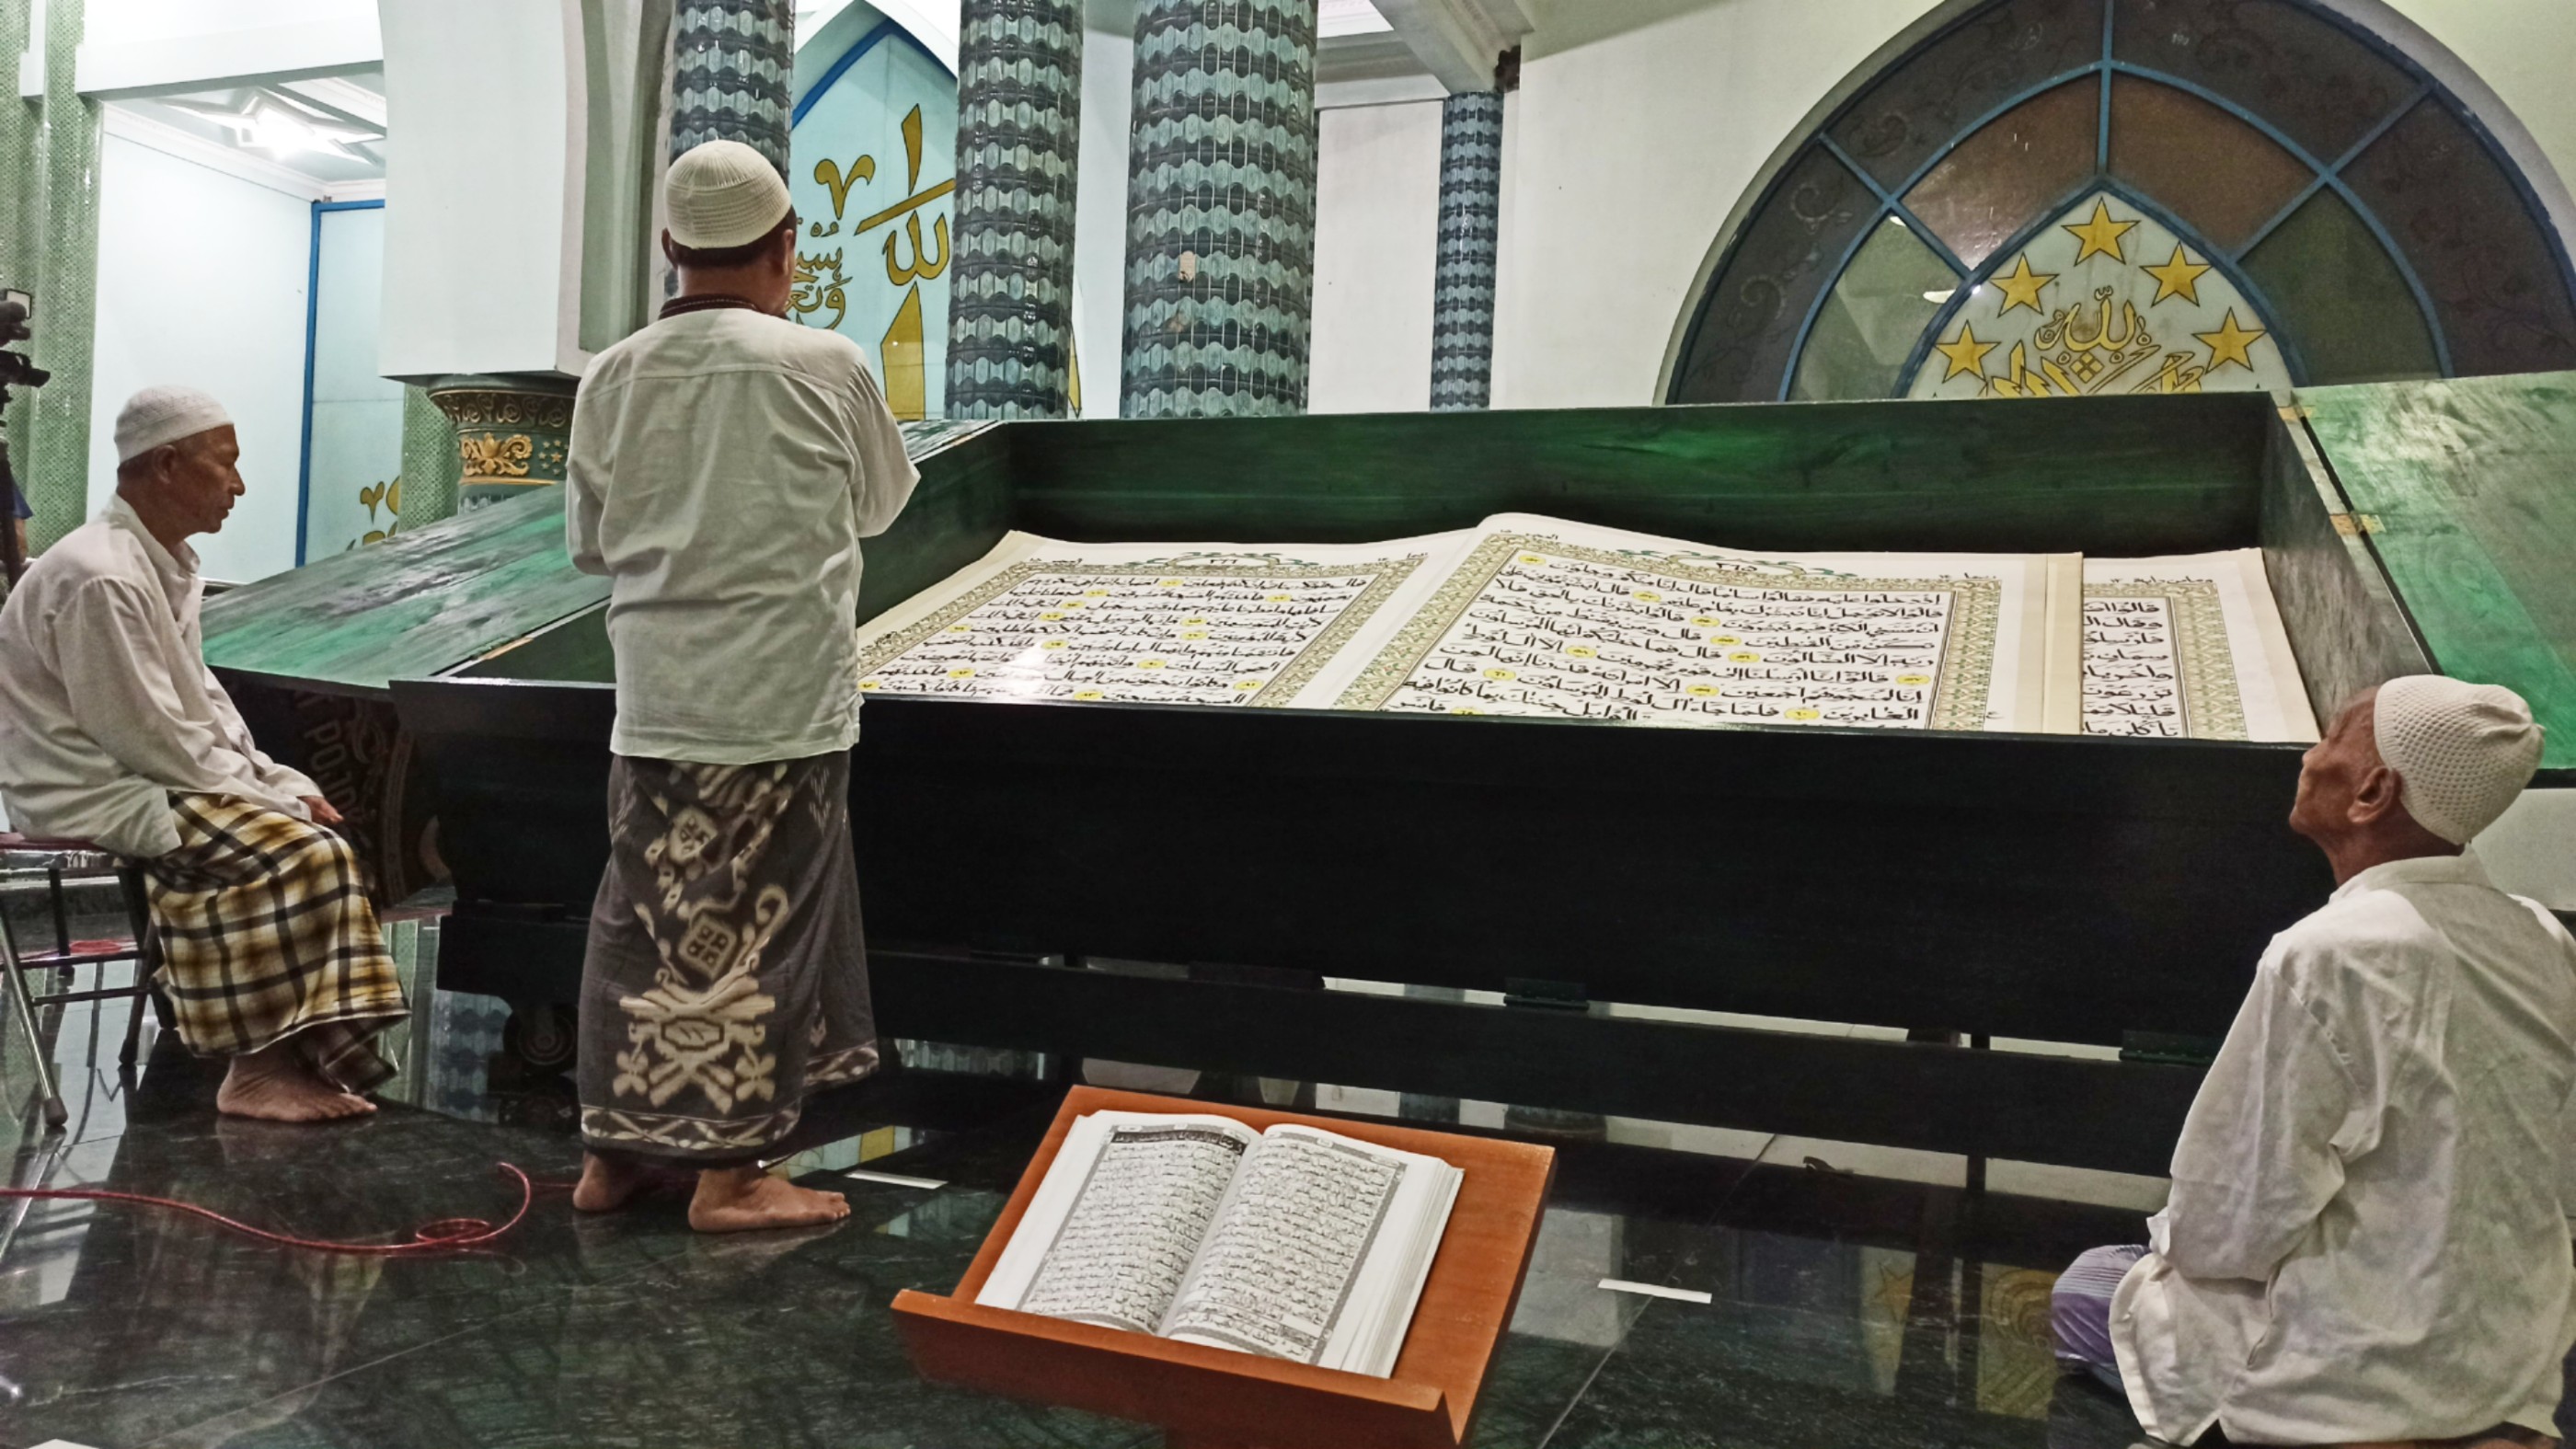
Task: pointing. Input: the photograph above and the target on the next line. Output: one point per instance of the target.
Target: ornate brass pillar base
(512, 433)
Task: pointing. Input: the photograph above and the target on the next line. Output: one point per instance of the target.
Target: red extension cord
(443, 1235)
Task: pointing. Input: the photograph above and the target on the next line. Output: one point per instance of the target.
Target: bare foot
(741, 1199)
(275, 1088)
(608, 1183)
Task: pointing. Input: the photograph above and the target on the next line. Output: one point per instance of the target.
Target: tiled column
(431, 469)
(49, 245)
(733, 73)
(511, 433)
(1220, 208)
(1019, 125)
(1462, 290)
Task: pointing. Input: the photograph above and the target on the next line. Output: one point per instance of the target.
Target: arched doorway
(2050, 197)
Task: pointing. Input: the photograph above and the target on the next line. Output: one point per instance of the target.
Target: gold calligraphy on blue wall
(873, 172)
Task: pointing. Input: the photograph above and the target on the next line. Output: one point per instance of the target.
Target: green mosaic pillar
(511, 433)
(431, 469)
(18, 173)
(733, 69)
(1220, 209)
(49, 246)
(1019, 124)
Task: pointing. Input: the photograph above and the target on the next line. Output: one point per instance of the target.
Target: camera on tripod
(17, 312)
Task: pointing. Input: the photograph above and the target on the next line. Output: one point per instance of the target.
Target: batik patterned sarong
(266, 936)
(726, 977)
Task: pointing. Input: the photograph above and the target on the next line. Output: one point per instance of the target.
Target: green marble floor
(1845, 1308)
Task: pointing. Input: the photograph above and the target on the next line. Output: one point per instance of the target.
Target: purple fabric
(2079, 1310)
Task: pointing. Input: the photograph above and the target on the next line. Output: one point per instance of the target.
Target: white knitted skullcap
(723, 194)
(159, 415)
(2462, 752)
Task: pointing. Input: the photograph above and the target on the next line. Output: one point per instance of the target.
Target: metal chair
(24, 861)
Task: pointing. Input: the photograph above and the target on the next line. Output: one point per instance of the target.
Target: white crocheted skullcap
(159, 415)
(2462, 752)
(723, 194)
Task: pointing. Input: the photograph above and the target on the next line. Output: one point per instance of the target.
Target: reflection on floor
(1884, 1306)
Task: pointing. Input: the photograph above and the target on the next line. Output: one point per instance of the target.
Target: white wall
(201, 283)
(1377, 236)
(139, 45)
(1638, 125)
(482, 272)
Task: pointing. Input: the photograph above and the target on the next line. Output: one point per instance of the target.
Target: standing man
(725, 464)
(113, 730)
(2367, 1240)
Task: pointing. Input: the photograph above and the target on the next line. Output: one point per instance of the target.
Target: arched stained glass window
(2052, 197)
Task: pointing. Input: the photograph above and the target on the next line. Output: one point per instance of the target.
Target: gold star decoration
(1965, 352)
(2101, 235)
(2177, 278)
(2231, 343)
(2021, 285)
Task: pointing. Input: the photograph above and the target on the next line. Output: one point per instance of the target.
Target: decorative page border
(1385, 577)
(1964, 677)
(2204, 657)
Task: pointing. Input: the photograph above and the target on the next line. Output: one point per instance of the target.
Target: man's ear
(2380, 795)
(670, 249)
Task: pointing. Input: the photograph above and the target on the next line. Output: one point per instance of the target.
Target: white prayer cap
(159, 415)
(2462, 752)
(723, 194)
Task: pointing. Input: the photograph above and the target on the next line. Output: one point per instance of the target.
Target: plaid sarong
(266, 936)
(727, 974)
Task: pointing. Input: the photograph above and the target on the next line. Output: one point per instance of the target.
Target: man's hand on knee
(323, 814)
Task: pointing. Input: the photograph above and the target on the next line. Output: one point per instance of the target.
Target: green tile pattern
(1019, 124)
(1220, 209)
(53, 250)
(430, 467)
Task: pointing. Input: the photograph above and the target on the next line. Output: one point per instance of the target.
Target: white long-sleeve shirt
(106, 704)
(724, 466)
(2368, 1232)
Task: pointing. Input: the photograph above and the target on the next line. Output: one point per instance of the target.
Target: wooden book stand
(1214, 1398)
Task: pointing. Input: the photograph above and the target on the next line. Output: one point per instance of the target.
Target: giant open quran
(1526, 615)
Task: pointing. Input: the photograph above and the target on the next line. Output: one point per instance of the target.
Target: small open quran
(1296, 1243)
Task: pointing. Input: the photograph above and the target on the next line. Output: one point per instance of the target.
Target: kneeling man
(2367, 1239)
(113, 730)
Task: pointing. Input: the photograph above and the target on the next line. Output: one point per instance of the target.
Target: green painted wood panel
(2467, 493)
(416, 604)
(437, 601)
(2114, 475)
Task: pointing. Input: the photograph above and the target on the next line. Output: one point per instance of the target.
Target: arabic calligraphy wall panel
(873, 175)
(2296, 202)
(2105, 300)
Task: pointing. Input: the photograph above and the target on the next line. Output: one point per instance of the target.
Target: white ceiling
(327, 133)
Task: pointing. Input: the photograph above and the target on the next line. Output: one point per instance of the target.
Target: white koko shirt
(106, 704)
(2368, 1233)
(725, 465)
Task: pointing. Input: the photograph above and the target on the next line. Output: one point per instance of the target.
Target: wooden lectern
(1214, 1398)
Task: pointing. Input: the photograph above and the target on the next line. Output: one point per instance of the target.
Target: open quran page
(2189, 646)
(1296, 1243)
(1152, 623)
(1113, 1229)
(1541, 616)
(1318, 1253)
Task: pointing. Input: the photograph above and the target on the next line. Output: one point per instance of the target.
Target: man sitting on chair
(113, 730)
(2367, 1238)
